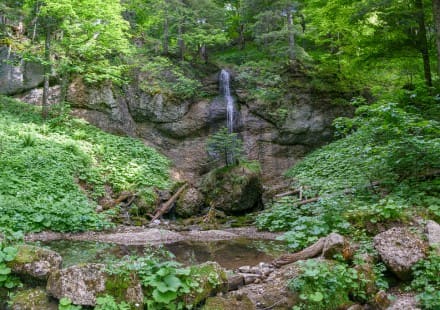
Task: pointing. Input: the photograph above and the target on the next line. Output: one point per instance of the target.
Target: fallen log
(307, 201)
(289, 193)
(167, 205)
(312, 251)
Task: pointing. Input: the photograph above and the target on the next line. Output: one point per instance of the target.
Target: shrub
(225, 147)
(427, 281)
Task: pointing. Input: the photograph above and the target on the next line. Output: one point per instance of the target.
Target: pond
(229, 254)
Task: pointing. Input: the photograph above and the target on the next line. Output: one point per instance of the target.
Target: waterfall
(225, 90)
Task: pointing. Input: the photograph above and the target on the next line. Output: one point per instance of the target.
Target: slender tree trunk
(47, 71)
(180, 42)
(241, 37)
(422, 41)
(166, 30)
(436, 12)
(292, 55)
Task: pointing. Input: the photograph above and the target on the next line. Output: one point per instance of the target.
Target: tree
(225, 147)
(436, 13)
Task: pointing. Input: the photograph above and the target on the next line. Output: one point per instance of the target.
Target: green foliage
(305, 224)
(225, 147)
(427, 281)
(325, 285)
(165, 282)
(49, 183)
(66, 304)
(164, 77)
(7, 254)
(107, 302)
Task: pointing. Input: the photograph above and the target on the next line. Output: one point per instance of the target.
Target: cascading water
(225, 90)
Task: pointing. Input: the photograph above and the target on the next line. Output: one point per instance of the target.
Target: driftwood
(312, 251)
(289, 193)
(167, 205)
(304, 202)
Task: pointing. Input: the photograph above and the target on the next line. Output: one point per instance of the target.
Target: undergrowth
(53, 173)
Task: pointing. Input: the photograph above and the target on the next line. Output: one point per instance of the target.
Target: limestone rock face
(16, 75)
(433, 234)
(189, 203)
(232, 189)
(399, 249)
(35, 262)
(32, 299)
(84, 283)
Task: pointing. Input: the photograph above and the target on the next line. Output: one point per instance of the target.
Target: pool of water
(229, 254)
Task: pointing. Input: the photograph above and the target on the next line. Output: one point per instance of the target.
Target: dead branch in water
(167, 205)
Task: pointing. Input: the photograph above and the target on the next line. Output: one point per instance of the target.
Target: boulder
(221, 303)
(35, 262)
(212, 279)
(32, 299)
(399, 249)
(189, 203)
(433, 234)
(404, 302)
(234, 190)
(84, 283)
(334, 244)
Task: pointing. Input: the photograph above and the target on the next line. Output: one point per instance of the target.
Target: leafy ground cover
(53, 173)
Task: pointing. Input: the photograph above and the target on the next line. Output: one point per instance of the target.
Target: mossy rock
(33, 299)
(35, 263)
(211, 277)
(189, 203)
(230, 303)
(234, 189)
(125, 288)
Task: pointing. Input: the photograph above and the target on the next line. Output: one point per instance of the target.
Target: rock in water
(234, 189)
(34, 262)
(399, 250)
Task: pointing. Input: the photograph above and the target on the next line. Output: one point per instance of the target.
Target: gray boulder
(84, 283)
(34, 262)
(399, 249)
(189, 203)
(433, 234)
(404, 302)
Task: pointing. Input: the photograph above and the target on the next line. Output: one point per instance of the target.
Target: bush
(225, 147)
(427, 281)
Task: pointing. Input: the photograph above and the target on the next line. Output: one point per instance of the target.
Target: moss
(211, 277)
(27, 254)
(118, 286)
(220, 303)
(32, 299)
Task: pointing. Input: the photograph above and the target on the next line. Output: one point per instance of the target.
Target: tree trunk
(422, 42)
(166, 30)
(292, 55)
(47, 71)
(241, 38)
(180, 42)
(436, 12)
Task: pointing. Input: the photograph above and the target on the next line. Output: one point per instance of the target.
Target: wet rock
(32, 299)
(356, 307)
(189, 203)
(250, 278)
(334, 244)
(233, 189)
(235, 281)
(404, 302)
(221, 303)
(433, 234)
(84, 283)
(273, 293)
(212, 279)
(35, 263)
(399, 250)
